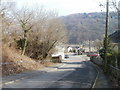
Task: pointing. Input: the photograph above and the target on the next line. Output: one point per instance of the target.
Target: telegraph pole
(89, 46)
(118, 23)
(106, 36)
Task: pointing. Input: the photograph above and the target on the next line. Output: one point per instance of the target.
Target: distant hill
(85, 26)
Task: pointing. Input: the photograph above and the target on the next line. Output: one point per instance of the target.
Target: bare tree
(24, 18)
(6, 19)
(98, 44)
(115, 5)
(46, 34)
(56, 33)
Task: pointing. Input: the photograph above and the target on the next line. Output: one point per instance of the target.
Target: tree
(36, 31)
(98, 44)
(6, 20)
(56, 33)
(48, 31)
(24, 18)
(115, 5)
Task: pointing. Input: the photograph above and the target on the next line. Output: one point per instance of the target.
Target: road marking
(56, 68)
(61, 66)
(13, 81)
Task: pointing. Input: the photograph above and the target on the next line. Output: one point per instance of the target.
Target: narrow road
(76, 72)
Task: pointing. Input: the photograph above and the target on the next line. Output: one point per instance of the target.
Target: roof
(115, 37)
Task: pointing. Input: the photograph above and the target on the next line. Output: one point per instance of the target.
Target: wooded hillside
(84, 26)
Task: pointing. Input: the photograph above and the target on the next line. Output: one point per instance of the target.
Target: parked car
(90, 54)
(66, 56)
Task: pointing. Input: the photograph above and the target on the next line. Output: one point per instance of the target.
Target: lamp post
(106, 36)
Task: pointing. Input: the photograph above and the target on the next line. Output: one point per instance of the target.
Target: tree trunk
(24, 47)
(25, 43)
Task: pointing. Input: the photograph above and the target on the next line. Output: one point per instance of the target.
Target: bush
(101, 52)
(70, 50)
(74, 50)
(109, 54)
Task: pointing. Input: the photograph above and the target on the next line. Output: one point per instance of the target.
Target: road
(76, 72)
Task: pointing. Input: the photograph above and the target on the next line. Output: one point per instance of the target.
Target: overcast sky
(64, 7)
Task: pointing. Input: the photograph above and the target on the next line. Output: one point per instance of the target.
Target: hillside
(14, 62)
(85, 26)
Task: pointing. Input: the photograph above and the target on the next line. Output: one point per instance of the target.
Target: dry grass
(18, 63)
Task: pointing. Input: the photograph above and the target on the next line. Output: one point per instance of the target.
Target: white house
(69, 49)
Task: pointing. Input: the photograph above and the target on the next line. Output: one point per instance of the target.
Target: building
(69, 49)
(115, 38)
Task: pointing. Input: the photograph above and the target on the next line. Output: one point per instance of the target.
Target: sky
(64, 7)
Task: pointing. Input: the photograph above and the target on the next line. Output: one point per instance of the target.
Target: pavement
(102, 81)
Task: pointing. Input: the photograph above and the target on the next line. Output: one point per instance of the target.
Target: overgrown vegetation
(113, 56)
(31, 32)
(35, 32)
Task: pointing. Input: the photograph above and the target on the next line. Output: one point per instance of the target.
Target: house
(69, 49)
(115, 38)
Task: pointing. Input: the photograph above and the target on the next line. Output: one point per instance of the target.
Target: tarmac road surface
(76, 72)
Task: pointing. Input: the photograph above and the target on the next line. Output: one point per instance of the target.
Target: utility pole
(106, 36)
(118, 24)
(89, 46)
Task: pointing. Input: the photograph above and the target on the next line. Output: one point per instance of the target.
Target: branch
(115, 5)
(52, 45)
